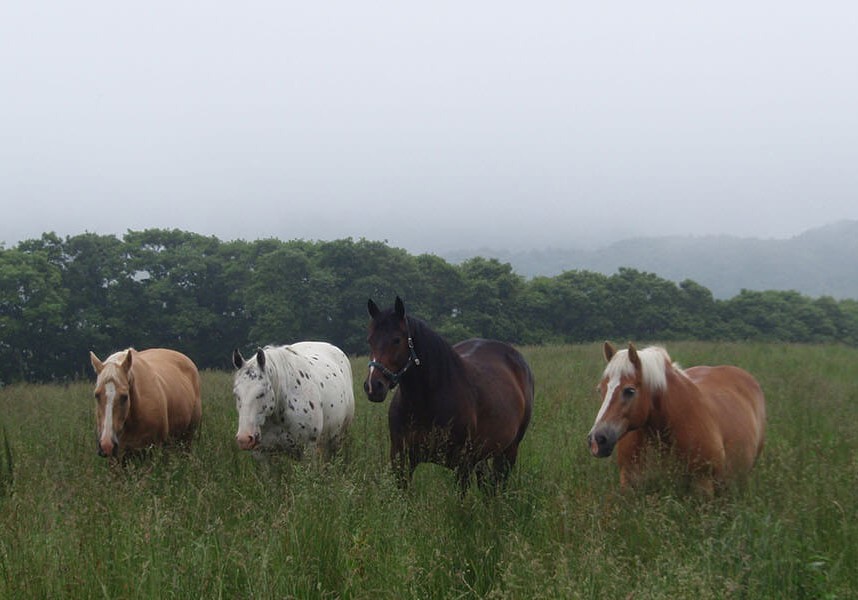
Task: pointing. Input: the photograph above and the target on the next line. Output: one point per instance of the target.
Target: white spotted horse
(293, 397)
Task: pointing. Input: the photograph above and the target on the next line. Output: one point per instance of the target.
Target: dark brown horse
(458, 406)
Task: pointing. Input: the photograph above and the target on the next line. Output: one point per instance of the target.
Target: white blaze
(613, 383)
(107, 425)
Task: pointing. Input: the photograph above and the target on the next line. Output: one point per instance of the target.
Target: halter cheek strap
(412, 360)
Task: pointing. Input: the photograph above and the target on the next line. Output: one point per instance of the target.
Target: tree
(642, 305)
(61, 298)
(570, 307)
(492, 305)
(179, 276)
(289, 299)
(32, 306)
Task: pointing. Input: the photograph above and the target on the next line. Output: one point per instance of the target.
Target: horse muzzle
(376, 389)
(247, 441)
(601, 442)
(107, 447)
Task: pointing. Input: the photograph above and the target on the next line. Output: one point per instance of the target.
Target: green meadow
(211, 522)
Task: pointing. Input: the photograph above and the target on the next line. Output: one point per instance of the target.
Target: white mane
(279, 367)
(654, 364)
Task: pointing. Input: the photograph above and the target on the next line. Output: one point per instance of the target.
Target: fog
(438, 126)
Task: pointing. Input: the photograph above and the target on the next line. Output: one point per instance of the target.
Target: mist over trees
(818, 262)
(61, 298)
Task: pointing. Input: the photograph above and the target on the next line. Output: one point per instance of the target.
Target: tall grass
(212, 523)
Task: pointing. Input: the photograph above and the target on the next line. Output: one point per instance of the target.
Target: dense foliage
(59, 298)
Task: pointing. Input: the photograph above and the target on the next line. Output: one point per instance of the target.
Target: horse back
(332, 372)
(738, 406)
(167, 385)
(504, 389)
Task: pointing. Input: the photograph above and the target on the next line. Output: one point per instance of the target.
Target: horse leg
(706, 459)
(328, 449)
(462, 458)
(403, 462)
(463, 476)
(630, 458)
(485, 479)
(503, 463)
(707, 477)
(501, 466)
(704, 486)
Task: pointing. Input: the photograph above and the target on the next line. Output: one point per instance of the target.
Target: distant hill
(818, 262)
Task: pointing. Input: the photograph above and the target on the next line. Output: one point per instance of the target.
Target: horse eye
(123, 398)
(628, 393)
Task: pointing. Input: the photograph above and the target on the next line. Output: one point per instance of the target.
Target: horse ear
(260, 358)
(633, 356)
(97, 365)
(372, 307)
(237, 359)
(399, 306)
(608, 350)
(126, 364)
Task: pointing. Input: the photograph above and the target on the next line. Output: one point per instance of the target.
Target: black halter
(412, 360)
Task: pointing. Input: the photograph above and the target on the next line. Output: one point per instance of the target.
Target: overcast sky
(433, 125)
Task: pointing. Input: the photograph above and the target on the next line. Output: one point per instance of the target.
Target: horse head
(391, 349)
(628, 390)
(254, 398)
(113, 386)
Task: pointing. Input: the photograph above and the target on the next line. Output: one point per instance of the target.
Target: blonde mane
(112, 365)
(654, 364)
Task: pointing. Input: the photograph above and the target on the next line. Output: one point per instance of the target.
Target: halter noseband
(412, 360)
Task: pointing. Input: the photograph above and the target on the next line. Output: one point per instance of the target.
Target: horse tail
(761, 419)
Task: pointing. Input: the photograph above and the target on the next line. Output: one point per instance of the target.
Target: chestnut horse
(712, 418)
(458, 406)
(145, 398)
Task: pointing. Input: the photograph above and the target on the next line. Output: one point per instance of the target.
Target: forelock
(113, 367)
(248, 374)
(654, 362)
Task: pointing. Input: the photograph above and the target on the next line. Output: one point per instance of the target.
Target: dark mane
(438, 360)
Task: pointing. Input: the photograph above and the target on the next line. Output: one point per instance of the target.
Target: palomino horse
(145, 398)
(291, 397)
(457, 406)
(712, 418)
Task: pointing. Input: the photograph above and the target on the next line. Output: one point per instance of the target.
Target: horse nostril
(366, 386)
(601, 439)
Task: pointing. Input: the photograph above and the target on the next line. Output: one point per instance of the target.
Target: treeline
(61, 298)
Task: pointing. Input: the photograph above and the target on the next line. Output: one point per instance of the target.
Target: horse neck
(679, 396)
(439, 366)
(280, 368)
